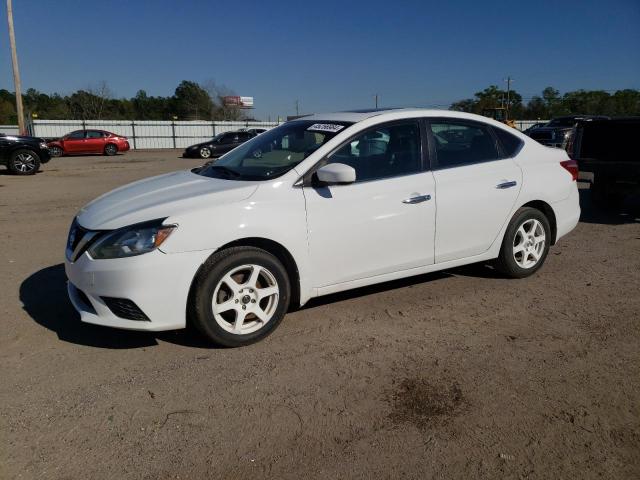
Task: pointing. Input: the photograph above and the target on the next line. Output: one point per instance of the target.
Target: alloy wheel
(245, 299)
(25, 162)
(529, 243)
(205, 152)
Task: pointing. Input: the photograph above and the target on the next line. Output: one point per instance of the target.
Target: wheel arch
(548, 212)
(274, 248)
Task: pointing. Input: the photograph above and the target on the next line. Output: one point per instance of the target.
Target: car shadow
(44, 297)
(627, 212)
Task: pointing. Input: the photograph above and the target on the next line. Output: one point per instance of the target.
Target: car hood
(162, 196)
(22, 138)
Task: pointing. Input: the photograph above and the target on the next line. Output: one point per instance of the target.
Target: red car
(88, 141)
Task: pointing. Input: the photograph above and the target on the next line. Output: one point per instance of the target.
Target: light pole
(508, 80)
(16, 71)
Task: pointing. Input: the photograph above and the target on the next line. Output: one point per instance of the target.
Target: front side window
(76, 135)
(274, 152)
(383, 151)
(459, 143)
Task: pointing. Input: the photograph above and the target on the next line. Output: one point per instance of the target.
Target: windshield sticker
(325, 127)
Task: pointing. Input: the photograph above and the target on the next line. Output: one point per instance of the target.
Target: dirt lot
(453, 375)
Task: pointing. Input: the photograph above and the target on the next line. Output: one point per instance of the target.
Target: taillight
(571, 166)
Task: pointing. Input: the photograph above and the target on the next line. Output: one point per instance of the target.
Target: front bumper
(156, 282)
(44, 155)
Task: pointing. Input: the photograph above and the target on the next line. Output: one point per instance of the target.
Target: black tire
(506, 262)
(205, 152)
(23, 162)
(56, 151)
(207, 280)
(110, 149)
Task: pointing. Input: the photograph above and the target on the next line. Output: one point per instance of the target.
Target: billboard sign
(237, 101)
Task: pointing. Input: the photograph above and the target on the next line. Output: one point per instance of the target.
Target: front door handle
(418, 199)
(508, 184)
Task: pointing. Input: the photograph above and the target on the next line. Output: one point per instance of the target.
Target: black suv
(609, 150)
(218, 145)
(23, 155)
(556, 133)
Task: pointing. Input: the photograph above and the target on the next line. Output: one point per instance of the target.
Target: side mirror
(336, 173)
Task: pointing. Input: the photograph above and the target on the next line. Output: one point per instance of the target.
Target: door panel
(473, 204)
(94, 143)
(365, 229)
(74, 143)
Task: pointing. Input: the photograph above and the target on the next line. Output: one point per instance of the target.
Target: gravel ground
(459, 374)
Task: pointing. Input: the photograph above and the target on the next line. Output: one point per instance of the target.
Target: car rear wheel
(24, 162)
(205, 152)
(55, 151)
(240, 296)
(110, 149)
(525, 245)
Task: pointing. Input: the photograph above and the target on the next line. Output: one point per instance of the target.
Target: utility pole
(16, 71)
(375, 95)
(508, 80)
(297, 108)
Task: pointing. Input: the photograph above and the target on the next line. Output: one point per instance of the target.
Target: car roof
(355, 116)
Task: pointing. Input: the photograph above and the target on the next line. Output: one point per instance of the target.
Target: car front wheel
(24, 162)
(525, 245)
(240, 296)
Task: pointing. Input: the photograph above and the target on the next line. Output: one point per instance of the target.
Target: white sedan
(298, 212)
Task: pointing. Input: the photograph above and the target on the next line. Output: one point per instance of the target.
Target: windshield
(274, 152)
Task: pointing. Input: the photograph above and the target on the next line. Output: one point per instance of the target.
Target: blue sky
(331, 55)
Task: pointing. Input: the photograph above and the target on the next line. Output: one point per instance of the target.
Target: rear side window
(510, 143)
(462, 143)
(77, 134)
(94, 134)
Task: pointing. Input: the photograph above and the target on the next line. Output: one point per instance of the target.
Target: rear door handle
(418, 199)
(508, 184)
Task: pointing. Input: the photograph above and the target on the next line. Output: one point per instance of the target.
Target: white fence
(9, 129)
(150, 134)
(146, 134)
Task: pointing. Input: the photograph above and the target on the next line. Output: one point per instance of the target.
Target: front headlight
(132, 240)
(43, 145)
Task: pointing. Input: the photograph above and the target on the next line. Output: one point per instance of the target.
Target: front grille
(125, 308)
(76, 232)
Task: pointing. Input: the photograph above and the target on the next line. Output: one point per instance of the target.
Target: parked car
(254, 131)
(527, 131)
(609, 150)
(556, 132)
(82, 142)
(218, 145)
(298, 212)
(23, 155)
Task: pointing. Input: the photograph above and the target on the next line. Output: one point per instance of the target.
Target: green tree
(192, 102)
